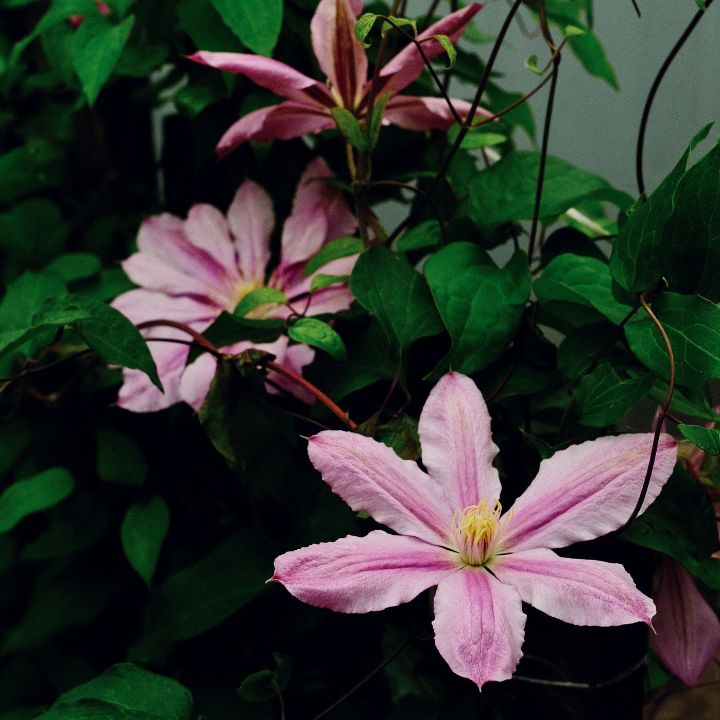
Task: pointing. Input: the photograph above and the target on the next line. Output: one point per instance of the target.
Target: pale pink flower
(452, 532)
(343, 60)
(191, 270)
(688, 630)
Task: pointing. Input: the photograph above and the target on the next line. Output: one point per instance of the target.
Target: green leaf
(397, 22)
(373, 130)
(531, 63)
(321, 280)
(202, 595)
(583, 280)
(316, 333)
(339, 248)
(32, 495)
(256, 298)
(635, 262)
(480, 304)
(350, 128)
(266, 684)
(424, 235)
(205, 27)
(447, 45)
(124, 692)
(143, 532)
(590, 52)
(388, 287)
(108, 332)
(693, 327)
(602, 397)
(505, 192)
(681, 523)
(690, 246)
(119, 459)
(476, 138)
(707, 439)
(363, 26)
(75, 266)
(238, 421)
(401, 434)
(97, 46)
(256, 22)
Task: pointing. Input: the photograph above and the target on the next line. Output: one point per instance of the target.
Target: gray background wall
(595, 126)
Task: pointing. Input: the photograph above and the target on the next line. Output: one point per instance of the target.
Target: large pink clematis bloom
(191, 270)
(451, 532)
(342, 58)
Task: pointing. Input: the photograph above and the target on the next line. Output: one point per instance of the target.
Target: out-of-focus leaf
(124, 692)
(480, 304)
(202, 595)
(97, 46)
(401, 434)
(74, 266)
(422, 236)
(266, 684)
(34, 494)
(387, 286)
(256, 22)
(119, 459)
(143, 533)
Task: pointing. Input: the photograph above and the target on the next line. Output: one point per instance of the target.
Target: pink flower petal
(293, 357)
(407, 65)
(425, 113)
(281, 79)
(581, 592)
(357, 575)
(196, 380)
(319, 214)
(457, 446)
(341, 57)
(207, 229)
(138, 394)
(140, 305)
(369, 476)
(586, 491)
(285, 121)
(688, 630)
(479, 625)
(167, 261)
(251, 220)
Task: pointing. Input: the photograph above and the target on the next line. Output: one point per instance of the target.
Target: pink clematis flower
(343, 60)
(452, 532)
(191, 270)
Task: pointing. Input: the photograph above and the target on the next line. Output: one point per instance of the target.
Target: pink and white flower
(191, 270)
(452, 533)
(307, 109)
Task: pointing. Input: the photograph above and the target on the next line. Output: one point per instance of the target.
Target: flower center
(475, 529)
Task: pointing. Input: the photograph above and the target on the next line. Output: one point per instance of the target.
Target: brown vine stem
(653, 91)
(557, 57)
(206, 345)
(661, 417)
(314, 391)
(368, 677)
(637, 9)
(465, 126)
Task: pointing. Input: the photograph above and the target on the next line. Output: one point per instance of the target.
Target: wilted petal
(407, 65)
(251, 220)
(285, 121)
(341, 57)
(369, 476)
(426, 113)
(581, 592)
(457, 446)
(357, 575)
(319, 214)
(168, 262)
(207, 229)
(688, 630)
(271, 74)
(479, 625)
(586, 491)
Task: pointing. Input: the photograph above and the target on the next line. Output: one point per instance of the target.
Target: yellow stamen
(474, 528)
